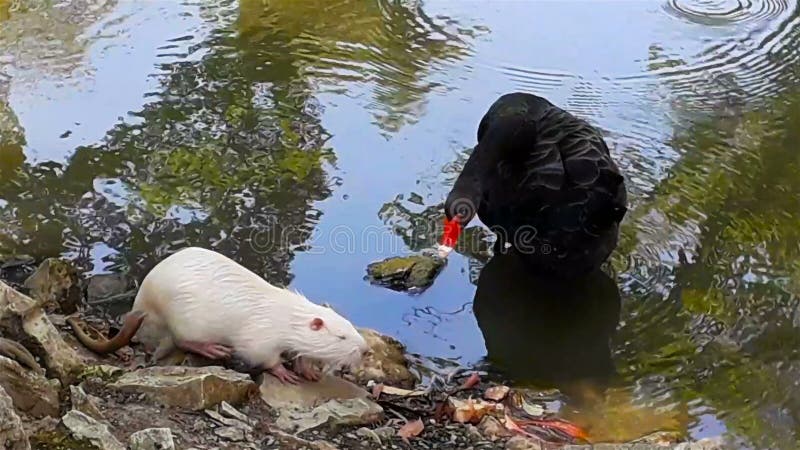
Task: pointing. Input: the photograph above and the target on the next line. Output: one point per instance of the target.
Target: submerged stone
(109, 288)
(406, 273)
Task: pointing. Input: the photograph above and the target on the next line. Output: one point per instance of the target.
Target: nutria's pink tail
(130, 326)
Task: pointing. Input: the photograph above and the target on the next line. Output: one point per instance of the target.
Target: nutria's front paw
(310, 374)
(283, 374)
(306, 370)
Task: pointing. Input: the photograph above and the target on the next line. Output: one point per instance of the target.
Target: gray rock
(22, 320)
(12, 435)
(15, 350)
(85, 428)
(194, 388)
(473, 434)
(367, 433)
(523, 443)
(323, 445)
(85, 403)
(235, 434)
(219, 418)
(29, 391)
(229, 411)
(386, 363)
(56, 286)
(334, 413)
(278, 395)
(152, 439)
(109, 288)
(385, 433)
(291, 442)
(307, 405)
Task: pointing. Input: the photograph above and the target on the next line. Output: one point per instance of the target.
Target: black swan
(544, 181)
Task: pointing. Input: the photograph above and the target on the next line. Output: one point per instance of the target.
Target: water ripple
(753, 63)
(725, 12)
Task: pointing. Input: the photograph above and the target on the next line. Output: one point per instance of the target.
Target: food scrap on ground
(496, 393)
(411, 429)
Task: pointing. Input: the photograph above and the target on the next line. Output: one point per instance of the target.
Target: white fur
(201, 295)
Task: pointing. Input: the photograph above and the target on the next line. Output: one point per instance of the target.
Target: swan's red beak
(452, 229)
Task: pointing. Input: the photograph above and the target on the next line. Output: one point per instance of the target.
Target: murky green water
(307, 139)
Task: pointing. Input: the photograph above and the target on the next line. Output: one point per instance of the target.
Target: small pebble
(385, 433)
(367, 433)
(473, 433)
(229, 411)
(230, 433)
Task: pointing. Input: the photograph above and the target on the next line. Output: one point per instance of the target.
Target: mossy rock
(57, 440)
(107, 373)
(413, 273)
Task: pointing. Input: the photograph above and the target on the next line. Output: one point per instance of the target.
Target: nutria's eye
(342, 337)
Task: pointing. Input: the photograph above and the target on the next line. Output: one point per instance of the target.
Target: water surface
(307, 139)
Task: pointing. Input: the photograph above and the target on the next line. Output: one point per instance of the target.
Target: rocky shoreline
(55, 394)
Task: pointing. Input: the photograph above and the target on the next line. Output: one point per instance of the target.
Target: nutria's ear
(316, 324)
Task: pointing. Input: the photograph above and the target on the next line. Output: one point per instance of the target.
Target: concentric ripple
(754, 60)
(723, 12)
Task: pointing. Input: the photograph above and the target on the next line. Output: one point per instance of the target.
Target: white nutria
(203, 302)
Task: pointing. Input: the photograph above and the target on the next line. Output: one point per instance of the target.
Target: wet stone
(413, 273)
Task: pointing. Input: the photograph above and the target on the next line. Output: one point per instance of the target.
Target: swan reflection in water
(539, 331)
(544, 333)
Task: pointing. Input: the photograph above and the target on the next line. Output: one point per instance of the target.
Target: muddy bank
(54, 394)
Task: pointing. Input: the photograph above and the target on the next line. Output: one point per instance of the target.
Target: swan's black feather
(536, 166)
